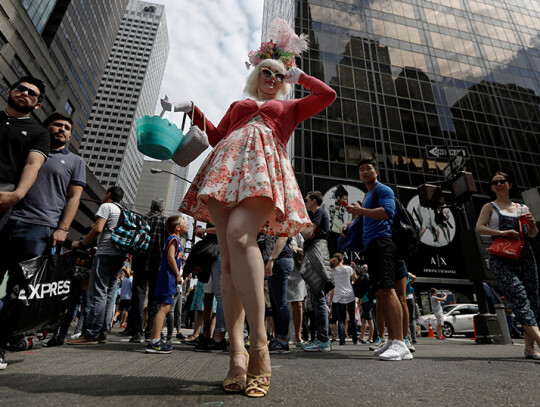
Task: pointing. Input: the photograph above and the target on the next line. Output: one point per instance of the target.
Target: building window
(18, 67)
(4, 87)
(47, 106)
(3, 40)
(69, 108)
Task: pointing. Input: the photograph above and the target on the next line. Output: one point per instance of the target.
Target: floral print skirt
(249, 163)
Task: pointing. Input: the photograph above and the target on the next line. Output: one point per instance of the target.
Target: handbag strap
(191, 119)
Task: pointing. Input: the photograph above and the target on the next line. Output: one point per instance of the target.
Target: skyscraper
(411, 77)
(129, 89)
(80, 35)
(166, 185)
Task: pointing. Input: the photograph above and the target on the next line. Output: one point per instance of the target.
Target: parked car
(458, 319)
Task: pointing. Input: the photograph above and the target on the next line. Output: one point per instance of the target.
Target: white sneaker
(378, 344)
(75, 336)
(397, 351)
(383, 348)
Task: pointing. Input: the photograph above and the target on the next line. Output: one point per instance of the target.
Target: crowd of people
(265, 255)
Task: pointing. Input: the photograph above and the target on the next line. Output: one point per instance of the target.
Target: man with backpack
(108, 262)
(381, 252)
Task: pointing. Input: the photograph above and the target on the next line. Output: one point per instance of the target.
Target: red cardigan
(282, 116)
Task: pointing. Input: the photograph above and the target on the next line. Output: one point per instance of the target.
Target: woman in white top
(343, 296)
(518, 279)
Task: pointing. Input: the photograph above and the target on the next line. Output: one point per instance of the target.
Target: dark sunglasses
(267, 73)
(31, 92)
(499, 181)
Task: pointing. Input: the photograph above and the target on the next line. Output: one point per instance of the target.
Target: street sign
(455, 164)
(442, 151)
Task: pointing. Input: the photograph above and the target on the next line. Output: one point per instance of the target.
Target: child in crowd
(168, 277)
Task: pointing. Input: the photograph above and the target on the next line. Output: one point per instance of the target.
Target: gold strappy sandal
(239, 380)
(253, 382)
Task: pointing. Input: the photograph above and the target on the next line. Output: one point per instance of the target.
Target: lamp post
(158, 171)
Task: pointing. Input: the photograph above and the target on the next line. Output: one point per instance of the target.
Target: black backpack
(405, 231)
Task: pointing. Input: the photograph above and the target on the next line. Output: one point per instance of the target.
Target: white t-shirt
(435, 305)
(111, 212)
(343, 291)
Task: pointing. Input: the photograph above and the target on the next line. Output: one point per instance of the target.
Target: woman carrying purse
(517, 278)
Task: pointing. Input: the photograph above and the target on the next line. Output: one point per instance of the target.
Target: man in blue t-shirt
(380, 253)
(316, 268)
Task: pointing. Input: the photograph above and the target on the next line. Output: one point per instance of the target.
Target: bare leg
(196, 325)
(380, 314)
(401, 287)
(393, 313)
(370, 325)
(243, 277)
(159, 319)
(532, 335)
(297, 319)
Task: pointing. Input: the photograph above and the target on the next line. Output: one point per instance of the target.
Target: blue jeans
(21, 241)
(321, 315)
(277, 287)
(216, 282)
(342, 310)
(101, 293)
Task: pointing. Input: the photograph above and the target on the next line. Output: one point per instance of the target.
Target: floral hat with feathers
(284, 45)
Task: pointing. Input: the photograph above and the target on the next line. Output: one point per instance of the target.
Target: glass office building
(411, 77)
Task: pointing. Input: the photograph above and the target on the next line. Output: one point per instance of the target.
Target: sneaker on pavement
(396, 351)
(363, 341)
(382, 347)
(300, 344)
(159, 347)
(54, 341)
(83, 340)
(202, 345)
(180, 336)
(102, 338)
(3, 362)
(377, 343)
(218, 346)
(192, 342)
(278, 347)
(135, 339)
(409, 345)
(318, 346)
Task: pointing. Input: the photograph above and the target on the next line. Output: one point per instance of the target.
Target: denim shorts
(164, 299)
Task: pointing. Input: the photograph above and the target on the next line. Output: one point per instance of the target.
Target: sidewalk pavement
(454, 372)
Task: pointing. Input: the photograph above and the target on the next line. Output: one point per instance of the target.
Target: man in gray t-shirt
(43, 217)
(436, 307)
(107, 263)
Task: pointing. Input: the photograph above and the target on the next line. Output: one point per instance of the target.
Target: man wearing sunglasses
(24, 144)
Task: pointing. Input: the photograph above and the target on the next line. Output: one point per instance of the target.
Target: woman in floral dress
(247, 185)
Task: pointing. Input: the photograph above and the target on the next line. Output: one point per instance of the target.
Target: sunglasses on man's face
(31, 92)
(499, 181)
(267, 73)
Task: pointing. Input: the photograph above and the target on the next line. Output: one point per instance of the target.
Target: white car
(458, 319)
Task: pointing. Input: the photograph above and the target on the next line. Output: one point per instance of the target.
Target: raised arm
(321, 97)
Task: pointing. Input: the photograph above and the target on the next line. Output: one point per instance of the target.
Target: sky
(209, 42)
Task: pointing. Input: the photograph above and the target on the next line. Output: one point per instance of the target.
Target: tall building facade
(166, 185)
(129, 89)
(27, 30)
(412, 77)
(80, 35)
